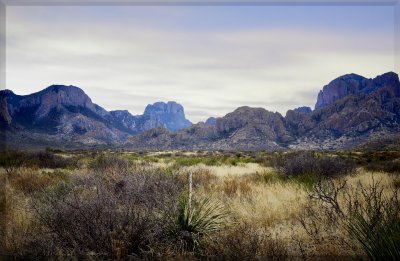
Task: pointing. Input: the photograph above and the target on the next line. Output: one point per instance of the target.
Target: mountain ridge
(349, 110)
(342, 123)
(67, 114)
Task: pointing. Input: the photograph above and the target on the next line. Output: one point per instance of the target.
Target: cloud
(127, 58)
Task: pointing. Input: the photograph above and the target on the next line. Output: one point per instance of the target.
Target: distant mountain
(59, 114)
(373, 107)
(211, 121)
(170, 114)
(65, 114)
(350, 84)
(245, 128)
(304, 109)
(349, 111)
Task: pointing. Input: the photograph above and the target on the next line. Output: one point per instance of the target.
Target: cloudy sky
(210, 59)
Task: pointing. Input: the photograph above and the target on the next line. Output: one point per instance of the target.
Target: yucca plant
(378, 230)
(199, 218)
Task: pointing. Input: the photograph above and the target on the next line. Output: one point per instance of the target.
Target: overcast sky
(210, 59)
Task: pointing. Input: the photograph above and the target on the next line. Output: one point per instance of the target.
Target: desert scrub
(30, 181)
(271, 177)
(12, 160)
(376, 225)
(202, 177)
(110, 164)
(190, 161)
(245, 242)
(390, 166)
(358, 219)
(232, 186)
(310, 163)
(199, 218)
(109, 218)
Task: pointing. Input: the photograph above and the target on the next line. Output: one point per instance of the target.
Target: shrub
(272, 177)
(29, 181)
(369, 214)
(110, 164)
(12, 160)
(308, 163)
(376, 226)
(390, 166)
(308, 180)
(110, 218)
(245, 242)
(203, 178)
(202, 218)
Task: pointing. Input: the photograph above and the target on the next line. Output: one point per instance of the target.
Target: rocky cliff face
(171, 115)
(351, 84)
(245, 128)
(65, 114)
(350, 110)
(211, 121)
(303, 109)
(58, 113)
(371, 107)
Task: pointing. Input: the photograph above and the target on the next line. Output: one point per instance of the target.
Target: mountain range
(349, 111)
(65, 115)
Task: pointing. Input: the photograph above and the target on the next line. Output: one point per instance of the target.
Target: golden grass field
(269, 217)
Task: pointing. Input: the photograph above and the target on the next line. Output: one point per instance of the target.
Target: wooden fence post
(190, 180)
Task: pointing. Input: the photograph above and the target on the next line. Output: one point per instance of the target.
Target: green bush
(273, 177)
(308, 163)
(11, 160)
(110, 164)
(307, 180)
(377, 228)
(202, 218)
(390, 166)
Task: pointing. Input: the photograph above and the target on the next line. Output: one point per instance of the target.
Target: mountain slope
(350, 84)
(349, 110)
(244, 129)
(353, 118)
(65, 115)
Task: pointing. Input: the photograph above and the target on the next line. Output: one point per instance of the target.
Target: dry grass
(228, 170)
(277, 205)
(244, 191)
(266, 209)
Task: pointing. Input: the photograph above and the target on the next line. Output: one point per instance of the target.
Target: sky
(210, 59)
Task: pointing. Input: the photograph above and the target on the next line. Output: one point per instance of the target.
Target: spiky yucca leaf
(378, 230)
(203, 218)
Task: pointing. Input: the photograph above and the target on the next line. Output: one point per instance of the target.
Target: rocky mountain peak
(389, 77)
(62, 96)
(339, 88)
(349, 109)
(6, 92)
(389, 80)
(303, 109)
(65, 94)
(211, 121)
(170, 107)
(121, 113)
(170, 114)
(350, 84)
